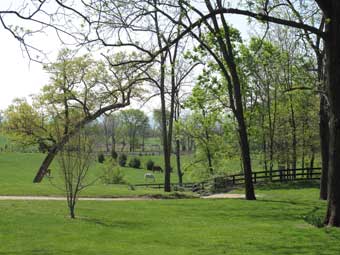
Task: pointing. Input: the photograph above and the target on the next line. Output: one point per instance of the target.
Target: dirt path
(54, 198)
(27, 198)
(225, 195)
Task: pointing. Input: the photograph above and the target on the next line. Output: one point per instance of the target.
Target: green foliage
(114, 155)
(134, 163)
(150, 164)
(101, 158)
(112, 173)
(122, 159)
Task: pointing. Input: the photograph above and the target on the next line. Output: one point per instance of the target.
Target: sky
(21, 77)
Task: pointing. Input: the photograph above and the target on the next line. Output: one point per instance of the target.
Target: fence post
(282, 173)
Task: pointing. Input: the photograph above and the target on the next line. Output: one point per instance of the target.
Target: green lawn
(274, 224)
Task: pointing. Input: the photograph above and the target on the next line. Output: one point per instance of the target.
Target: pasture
(18, 169)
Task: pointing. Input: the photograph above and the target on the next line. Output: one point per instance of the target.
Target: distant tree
(136, 123)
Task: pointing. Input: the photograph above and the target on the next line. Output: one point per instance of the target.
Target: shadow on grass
(36, 252)
(114, 224)
(299, 249)
(315, 217)
(288, 185)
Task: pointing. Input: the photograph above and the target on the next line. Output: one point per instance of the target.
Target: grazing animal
(157, 169)
(149, 176)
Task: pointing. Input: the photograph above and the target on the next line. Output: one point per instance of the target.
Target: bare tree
(74, 161)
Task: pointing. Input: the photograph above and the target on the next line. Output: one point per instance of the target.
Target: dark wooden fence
(281, 175)
(174, 186)
(231, 181)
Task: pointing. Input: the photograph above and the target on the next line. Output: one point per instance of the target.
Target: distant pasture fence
(228, 182)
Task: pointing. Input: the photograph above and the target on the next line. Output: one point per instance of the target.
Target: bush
(150, 164)
(122, 160)
(114, 154)
(134, 163)
(112, 173)
(101, 158)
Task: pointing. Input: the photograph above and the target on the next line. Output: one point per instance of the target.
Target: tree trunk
(294, 139)
(166, 147)
(332, 47)
(178, 162)
(250, 194)
(106, 133)
(324, 142)
(45, 164)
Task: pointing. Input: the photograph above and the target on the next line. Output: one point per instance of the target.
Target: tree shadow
(288, 185)
(114, 224)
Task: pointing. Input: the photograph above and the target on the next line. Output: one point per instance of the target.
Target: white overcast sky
(21, 78)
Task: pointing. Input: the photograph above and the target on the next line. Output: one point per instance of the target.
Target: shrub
(114, 154)
(150, 164)
(112, 173)
(122, 160)
(134, 163)
(101, 158)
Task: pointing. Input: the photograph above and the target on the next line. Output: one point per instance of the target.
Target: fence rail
(230, 181)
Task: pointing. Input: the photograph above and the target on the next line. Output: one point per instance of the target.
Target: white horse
(149, 176)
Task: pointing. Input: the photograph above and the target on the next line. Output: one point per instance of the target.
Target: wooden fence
(281, 175)
(231, 181)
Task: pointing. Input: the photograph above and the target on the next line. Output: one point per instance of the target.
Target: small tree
(134, 163)
(114, 155)
(112, 173)
(101, 158)
(150, 164)
(74, 162)
(122, 159)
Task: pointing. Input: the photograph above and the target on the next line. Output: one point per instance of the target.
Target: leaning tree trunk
(332, 47)
(66, 137)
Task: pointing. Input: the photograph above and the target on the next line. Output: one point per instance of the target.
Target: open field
(274, 224)
(18, 169)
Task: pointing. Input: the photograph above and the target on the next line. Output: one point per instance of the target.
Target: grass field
(274, 224)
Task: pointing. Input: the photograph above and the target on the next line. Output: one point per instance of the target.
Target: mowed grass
(274, 224)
